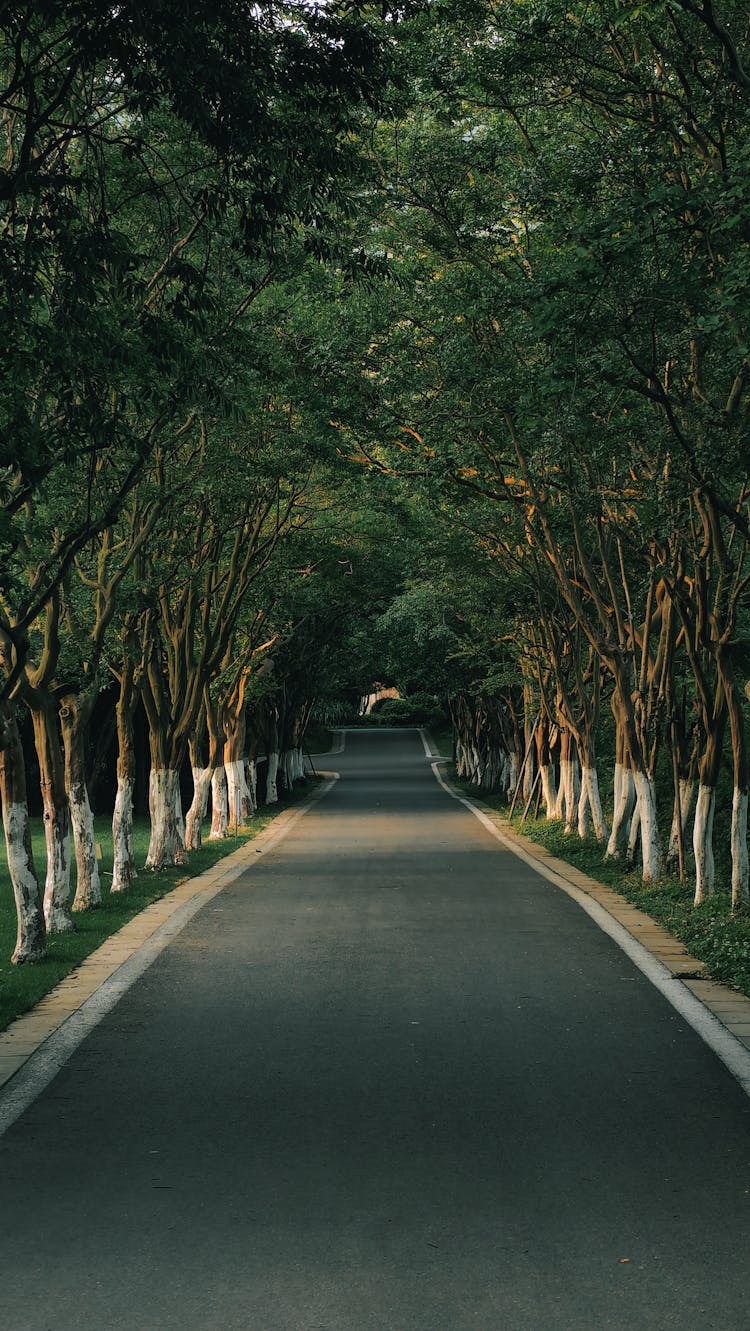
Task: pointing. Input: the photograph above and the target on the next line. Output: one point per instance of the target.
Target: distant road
(389, 1080)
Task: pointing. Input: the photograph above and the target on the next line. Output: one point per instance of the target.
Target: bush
(418, 710)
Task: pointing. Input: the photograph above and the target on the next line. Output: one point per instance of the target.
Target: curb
(101, 979)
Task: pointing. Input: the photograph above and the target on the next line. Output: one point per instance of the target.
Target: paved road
(391, 1080)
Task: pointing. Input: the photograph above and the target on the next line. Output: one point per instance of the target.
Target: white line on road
(713, 1032)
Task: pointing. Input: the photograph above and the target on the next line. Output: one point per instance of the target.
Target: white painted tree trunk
(251, 777)
(549, 790)
(584, 813)
(30, 937)
(739, 848)
(88, 887)
(570, 801)
(123, 869)
(287, 767)
(703, 849)
(239, 796)
(634, 835)
(272, 795)
(687, 797)
(299, 759)
(57, 881)
(624, 803)
(197, 811)
(593, 804)
(512, 775)
(219, 805)
(178, 813)
(167, 843)
(650, 841)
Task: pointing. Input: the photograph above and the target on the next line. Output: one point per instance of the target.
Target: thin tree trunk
(56, 815)
(703, 850)
(703, 826)
(624, 804)
(123, 869)
(649, 826)
(31, 932)
(196, 814)
(74, 716)
(590, 792)
(272, 794)
(740, 886)
(687, 790)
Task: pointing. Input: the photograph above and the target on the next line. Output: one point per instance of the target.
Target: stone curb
(27, 1033)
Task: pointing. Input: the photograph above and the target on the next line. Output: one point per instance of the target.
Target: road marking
(733, 1054)
(50, 1056)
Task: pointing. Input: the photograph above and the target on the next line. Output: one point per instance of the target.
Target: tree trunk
(167, 844)
(272, 795)
(687, 800)
(739, 847)
(202, 777)
(740, 769)
(624, 804)
(239, 795)
(590, 792)
(31, 933)
(528, 744)
(123, 869)
(219, 805)
(251, 779)
(650, 842)
(56, 815)
(546, 767)
(75, 712)
(703, 827)
(568, 789)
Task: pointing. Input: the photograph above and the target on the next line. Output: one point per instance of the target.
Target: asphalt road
(390, 1080)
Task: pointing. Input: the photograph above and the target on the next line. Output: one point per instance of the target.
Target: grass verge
(23, 986)
(710, 931)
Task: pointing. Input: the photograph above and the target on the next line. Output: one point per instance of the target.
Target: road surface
(389, 1080)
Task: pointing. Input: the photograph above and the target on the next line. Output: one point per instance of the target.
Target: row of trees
(566, 383)
(173, 177)
(493, 258)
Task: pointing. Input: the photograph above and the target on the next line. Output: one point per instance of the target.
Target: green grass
(22, 986)
(710, 931)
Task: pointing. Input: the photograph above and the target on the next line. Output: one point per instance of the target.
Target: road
(389, 1080)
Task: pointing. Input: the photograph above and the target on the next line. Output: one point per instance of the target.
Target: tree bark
(123, 869)
(75, 713)
(202, 777)
(56, 813)
(167, 844)
(31, 940)
(703, 826)
(650, 842)
(624, 804)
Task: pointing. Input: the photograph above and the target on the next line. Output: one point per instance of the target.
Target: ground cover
(23, 986)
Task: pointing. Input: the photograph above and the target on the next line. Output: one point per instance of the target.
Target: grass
(23, 986)
(710, 931)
